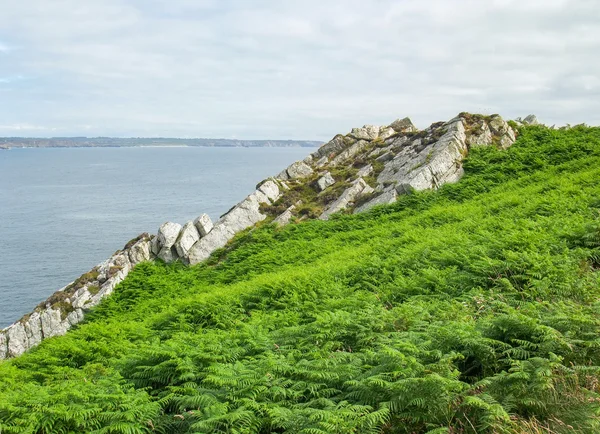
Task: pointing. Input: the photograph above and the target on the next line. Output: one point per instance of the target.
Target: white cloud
(306, 69)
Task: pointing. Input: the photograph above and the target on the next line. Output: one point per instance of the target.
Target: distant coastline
(114, 142)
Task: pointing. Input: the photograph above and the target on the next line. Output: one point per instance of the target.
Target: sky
(290, 69)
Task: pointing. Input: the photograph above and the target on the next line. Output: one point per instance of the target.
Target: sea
(64, 210)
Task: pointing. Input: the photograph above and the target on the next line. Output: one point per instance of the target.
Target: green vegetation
(472, 309)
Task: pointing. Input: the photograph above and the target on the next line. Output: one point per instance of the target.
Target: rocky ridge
(369, 166)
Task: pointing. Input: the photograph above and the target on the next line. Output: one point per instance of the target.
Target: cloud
(310, 69)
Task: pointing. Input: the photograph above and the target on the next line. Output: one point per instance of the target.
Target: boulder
(52, 323)
(187, 238)
(17, 340)
(285, 217)
(403, 126)
(531, 120)
(299, 170)
(367, 132)
(270, 189)
(325, 181)
(140, 251)
(358, 188)
(167, 234)
(203, 224)
(386, 132)
(387, 197)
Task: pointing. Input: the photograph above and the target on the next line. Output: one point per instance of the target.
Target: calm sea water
(62, 211)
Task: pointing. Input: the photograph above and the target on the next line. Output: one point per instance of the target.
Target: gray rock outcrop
(358, 188)
(400, 157)
(325, 181)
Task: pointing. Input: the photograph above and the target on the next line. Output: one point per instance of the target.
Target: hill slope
(470, 309)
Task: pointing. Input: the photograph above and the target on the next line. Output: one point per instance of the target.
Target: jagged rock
(500, 127)
(285, 217)
(3, 346)
(531, 120)
(203, 224)
(322, 161)
(168, 233)
(325, 181)
(385, 157)
(283, 175)
(17, 340)
(358, 188)
(167, 236)
(403, 126)
(365, 171)
(270, 189)
(423, 166)
(387, 197)
(52, 323)
(350, 152)
(187, 238)
(245, 214)
(386, 132)
(299, 170)
(75, 317)
(480, 135)
(33, 330)
(140, 251)
(154, 247)
(335, 146)
(367, 132)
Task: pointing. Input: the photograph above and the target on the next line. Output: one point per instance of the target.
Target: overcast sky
(298, 69)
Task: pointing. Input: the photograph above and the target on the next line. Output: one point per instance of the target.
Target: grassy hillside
(472, 309)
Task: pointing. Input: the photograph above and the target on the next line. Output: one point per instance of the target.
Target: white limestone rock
(403, 126)
(365, 171)
(140, 251)
(3, 345)
(187, 238)
(367, 132)
(350, 152)
(203, 224)
(387, 197)
(270, 189)
(17, 340)
(322, 161)
(335, 146)
(285, 217)
(385, 157)
(421, 166)
(33, 330)
(52, 323)
(75, 317)
(481, 135)
(500, 127)
(325, 181)
(242, 216)
(154, 247)
(531, 120)
(358, 188)
(167, 234)
(299, 170)
(386, 132)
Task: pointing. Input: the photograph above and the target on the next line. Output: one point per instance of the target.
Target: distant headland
(114, 142)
